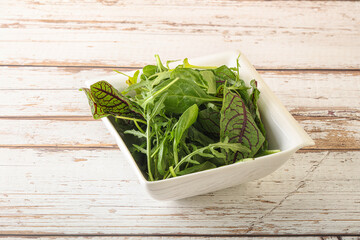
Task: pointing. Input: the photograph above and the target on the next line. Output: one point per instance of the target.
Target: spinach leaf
(149, 70)
(185, 93)
(209, 78)
(189, 74)
(237, 124)
(185, 121)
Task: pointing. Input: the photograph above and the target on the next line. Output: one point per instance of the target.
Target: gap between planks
(321, 236)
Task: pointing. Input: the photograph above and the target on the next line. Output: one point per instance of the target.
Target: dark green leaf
(254, 109)
(224, 74)
(209, 122)
(185, 93)
(189, 74)
(197, 168)
(185, 121)
(195, 135)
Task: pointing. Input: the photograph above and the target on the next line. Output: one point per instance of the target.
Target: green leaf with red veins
(111, 101)
(237, 124)
(96, 111)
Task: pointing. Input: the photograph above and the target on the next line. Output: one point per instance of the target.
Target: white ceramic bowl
(283, 132)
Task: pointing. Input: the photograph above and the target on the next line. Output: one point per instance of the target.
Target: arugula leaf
(135, 133)
(197, 168)
(131, 80)
(160, 66)
(237, 124)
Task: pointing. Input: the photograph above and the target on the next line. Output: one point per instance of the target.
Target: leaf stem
(148, 149)
(137, 125)
(159, 91)
(172, 171)
(175, 150)
(186, 64)
(132, 119)
(187, 157)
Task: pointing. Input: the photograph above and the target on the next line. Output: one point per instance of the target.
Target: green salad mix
(183, 120)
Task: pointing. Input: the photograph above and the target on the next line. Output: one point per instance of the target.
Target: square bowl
(282, 132)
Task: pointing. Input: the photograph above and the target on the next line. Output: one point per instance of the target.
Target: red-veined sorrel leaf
(111, 101)
(96, 111)
(237, 124)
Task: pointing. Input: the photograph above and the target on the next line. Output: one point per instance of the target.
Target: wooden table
(61, 173)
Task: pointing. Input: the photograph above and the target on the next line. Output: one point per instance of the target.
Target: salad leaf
(254, 109)
(224, 74)
(185, 121)
(111, 101)
(96, 111)
(237, 124)
(209, 121)
(197, 168)
(185, 93)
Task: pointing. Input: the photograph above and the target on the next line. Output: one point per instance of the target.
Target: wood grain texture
(36, 90)
(62, 175)
(276, 34)
(67, 191)
(43, 100)
(328, 134)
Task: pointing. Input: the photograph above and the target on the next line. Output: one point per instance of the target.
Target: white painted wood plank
(287, 35)
(95, 191)
(327, 198)
(54, 91)
(54, 133)
(337, 133)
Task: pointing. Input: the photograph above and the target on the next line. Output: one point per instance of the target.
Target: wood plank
(326, 107)
(49, 91)
(113, 34)
(332, 133)
(324, 195)
(48, 191)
